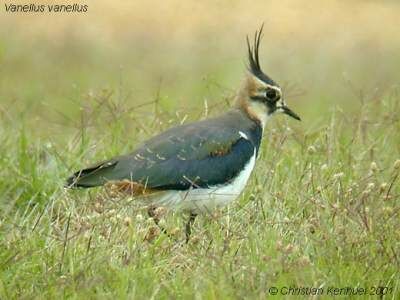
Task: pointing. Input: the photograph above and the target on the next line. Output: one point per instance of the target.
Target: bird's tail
(92, 176)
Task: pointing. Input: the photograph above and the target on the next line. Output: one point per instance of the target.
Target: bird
(200, 166)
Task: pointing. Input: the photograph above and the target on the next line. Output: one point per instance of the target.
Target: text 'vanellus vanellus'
(202, 165)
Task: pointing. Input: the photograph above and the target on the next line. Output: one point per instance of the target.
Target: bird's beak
(289, 112)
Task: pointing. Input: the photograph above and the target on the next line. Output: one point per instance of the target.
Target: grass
(321, 210)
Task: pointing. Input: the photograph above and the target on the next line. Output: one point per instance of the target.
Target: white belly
(202, 200)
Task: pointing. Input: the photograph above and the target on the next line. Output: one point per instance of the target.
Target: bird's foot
(189, 224)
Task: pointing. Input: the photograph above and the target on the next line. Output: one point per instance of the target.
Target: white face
(280, 105)
(260, 111)
(261, 100)
(266, 100)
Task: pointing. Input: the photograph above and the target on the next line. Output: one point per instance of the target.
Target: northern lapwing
(198, 166)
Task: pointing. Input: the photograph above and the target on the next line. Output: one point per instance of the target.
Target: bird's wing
(200, 154)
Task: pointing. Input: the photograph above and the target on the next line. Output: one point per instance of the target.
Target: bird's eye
(272, 95)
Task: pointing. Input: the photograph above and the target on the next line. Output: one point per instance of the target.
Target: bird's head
(260, 96)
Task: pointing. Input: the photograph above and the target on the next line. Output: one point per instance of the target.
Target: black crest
(254, 60)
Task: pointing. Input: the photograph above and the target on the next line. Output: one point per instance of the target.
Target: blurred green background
(326, 52)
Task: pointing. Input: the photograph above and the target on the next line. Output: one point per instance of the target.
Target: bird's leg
(189, 224)
(152, 214)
